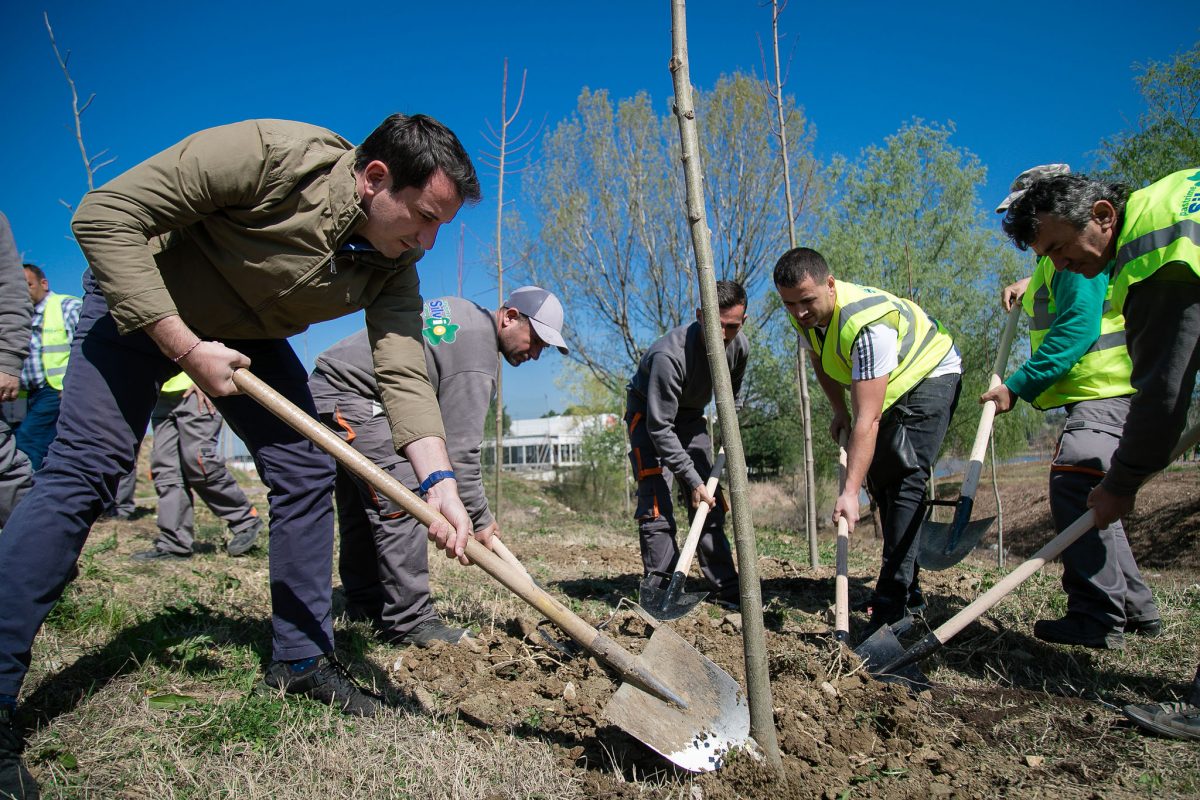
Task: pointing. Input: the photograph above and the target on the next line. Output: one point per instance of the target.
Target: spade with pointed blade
(661, 594)
(943, 545)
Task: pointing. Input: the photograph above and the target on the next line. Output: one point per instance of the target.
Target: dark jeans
(910, 436)
(111, 387)
(37, 430)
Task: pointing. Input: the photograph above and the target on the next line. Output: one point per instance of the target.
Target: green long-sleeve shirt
(1080, 304)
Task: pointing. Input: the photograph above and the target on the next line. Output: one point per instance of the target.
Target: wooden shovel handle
(1049, 552)
(984, 432)
(841, 581)
(684, 562)
(603, 647)
(501, 549)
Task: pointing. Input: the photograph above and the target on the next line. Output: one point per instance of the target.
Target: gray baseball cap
(544, 311)
(1026, 179)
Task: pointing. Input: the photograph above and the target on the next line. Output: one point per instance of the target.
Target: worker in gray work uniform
(15, 310)
(383, 561)
(184, 460)
(669, 440)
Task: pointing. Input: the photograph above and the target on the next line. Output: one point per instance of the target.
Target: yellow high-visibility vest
(1103, 371)
(922, 341)
(1161, 225)
(56, 342)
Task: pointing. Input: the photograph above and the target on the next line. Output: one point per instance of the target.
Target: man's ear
(699, 316)
(1105, 214)
(374, 178)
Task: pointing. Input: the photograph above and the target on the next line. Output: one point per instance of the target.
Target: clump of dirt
(838, 727)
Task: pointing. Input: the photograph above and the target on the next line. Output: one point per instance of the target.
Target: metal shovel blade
(882, 648)
(662, 596)
(945, 544)
(717, 717)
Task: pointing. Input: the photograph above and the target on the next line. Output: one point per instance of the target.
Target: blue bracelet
(434, 478)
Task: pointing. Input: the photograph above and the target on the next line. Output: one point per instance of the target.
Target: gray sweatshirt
(672, 387)
(15, 308)
(462, 357)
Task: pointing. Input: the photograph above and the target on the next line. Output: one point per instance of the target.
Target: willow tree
(906, 217)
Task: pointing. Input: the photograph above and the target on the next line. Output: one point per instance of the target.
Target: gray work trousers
(16, 473)
(655, 512)
(384, 555)
(1100, 576)
(124, 504)
(184, 460)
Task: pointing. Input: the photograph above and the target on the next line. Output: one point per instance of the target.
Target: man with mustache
(1147, 242)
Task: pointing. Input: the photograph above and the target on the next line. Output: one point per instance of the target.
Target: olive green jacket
(237, 230)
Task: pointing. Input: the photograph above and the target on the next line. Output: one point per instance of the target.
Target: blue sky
(1025, 83)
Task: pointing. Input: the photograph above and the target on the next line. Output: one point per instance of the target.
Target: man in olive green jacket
(206, 257)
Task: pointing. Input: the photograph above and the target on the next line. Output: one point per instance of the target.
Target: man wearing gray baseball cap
(1079, 363)
(383, 560)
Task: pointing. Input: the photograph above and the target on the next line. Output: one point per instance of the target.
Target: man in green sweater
(1080, 363)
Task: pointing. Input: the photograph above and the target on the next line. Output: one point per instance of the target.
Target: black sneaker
(243, 542)
(159, 555)
(1177, 720)
(326, 681)
(1080, 631)
(430, 631)
(916, 602)
(15, 780)
(1150, 628)
(729, 599)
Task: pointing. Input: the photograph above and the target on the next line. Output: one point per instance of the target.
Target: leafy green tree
(905, 216)
(1167, 136)
(611, 242)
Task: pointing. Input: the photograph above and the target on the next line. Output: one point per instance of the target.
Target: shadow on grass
(164, 639)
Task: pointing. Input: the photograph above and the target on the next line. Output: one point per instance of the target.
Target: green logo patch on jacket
(438, 327)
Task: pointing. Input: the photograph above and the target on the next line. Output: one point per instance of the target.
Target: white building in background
(536, 448)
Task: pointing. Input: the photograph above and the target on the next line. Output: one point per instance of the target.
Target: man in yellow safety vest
(51, 331)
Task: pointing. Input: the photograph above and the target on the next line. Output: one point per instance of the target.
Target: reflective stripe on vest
(56, 343)
(1103, 371)
(922, 341)
(177, 385)
(1161, 225)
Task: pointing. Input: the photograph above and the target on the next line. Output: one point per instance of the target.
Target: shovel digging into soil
(943, 545)
(673, 699)
(887, 659)
(672, 602)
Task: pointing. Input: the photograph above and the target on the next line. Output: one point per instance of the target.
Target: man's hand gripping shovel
(672, 698)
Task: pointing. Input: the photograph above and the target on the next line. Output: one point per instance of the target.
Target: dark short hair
(799, 263)
(415, 147)
(730, 294)
(36, 270)
(1069, 197)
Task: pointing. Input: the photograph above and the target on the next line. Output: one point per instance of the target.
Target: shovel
(672, 602)
(944, 545)
(673, 699)
(888, 659)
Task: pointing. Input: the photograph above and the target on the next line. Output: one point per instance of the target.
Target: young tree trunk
(810, 490)
(758, 685)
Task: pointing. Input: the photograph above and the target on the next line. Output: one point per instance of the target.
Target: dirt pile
(838, 728)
